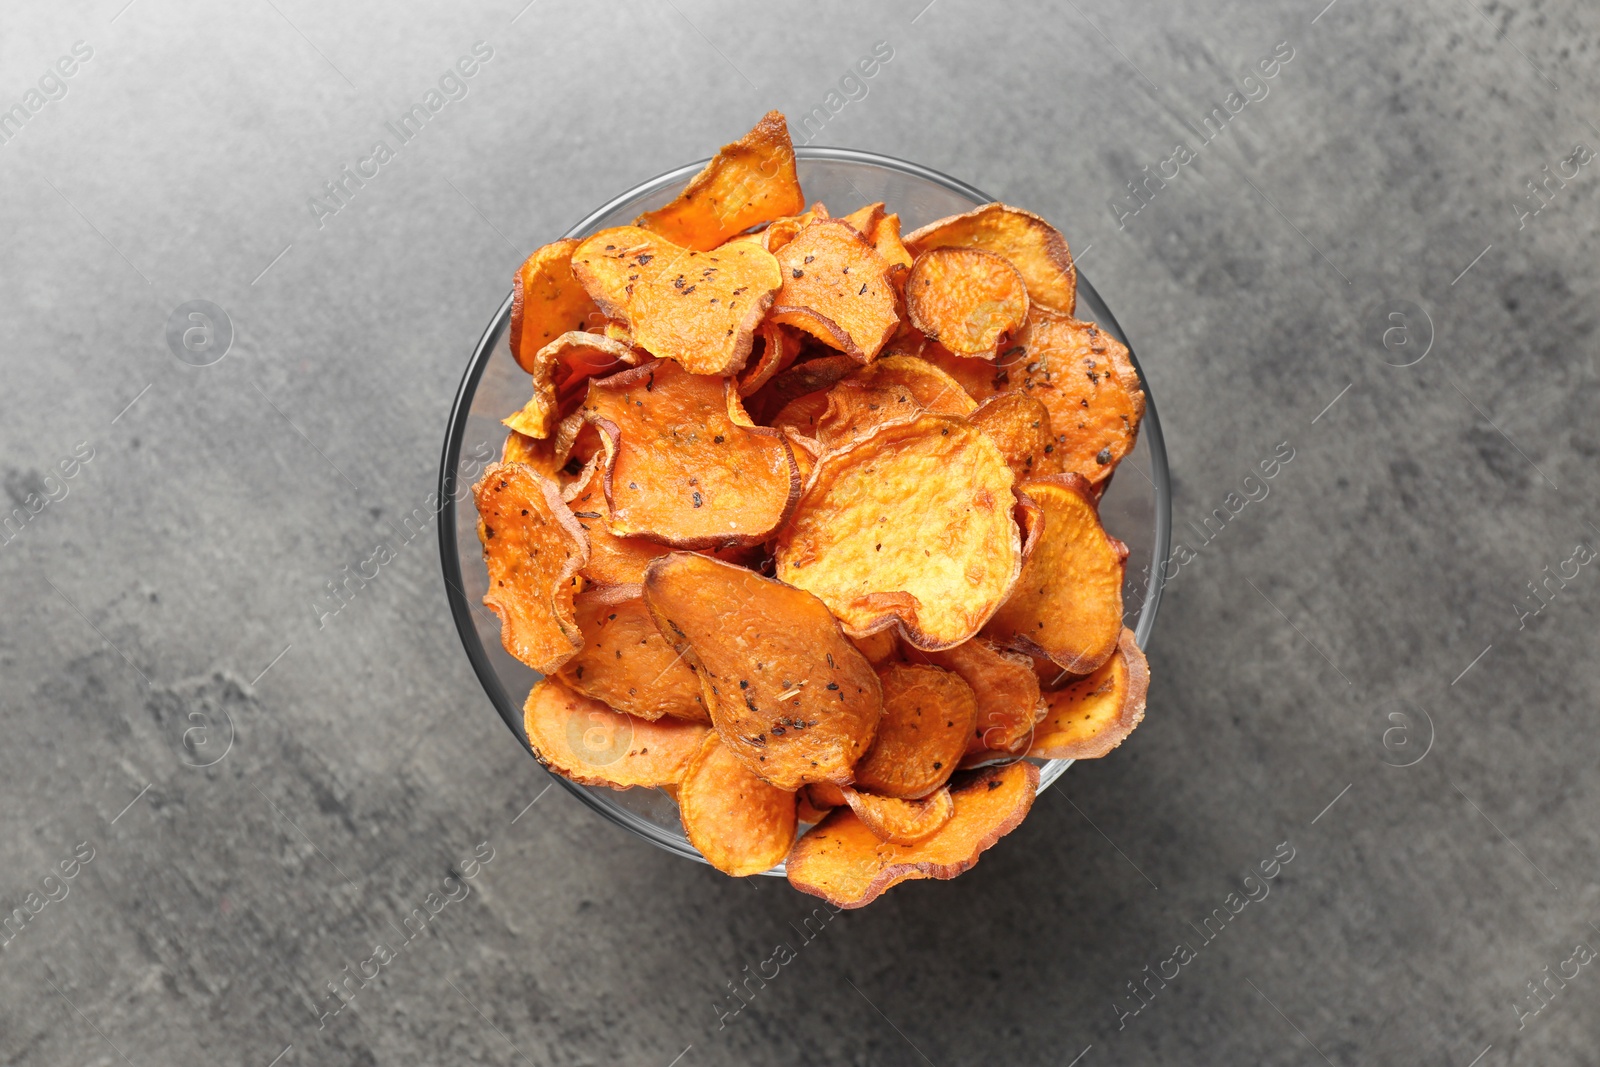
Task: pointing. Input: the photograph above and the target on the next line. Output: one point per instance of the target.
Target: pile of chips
(801, 523)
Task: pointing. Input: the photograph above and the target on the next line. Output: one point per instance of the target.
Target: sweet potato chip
(679, 468)
(783, 230)
(802, 414)
(1093, 715)
(825, 795)
(902, 822)
(836, 287)
(778, 350)
(1019, 425)
(879, 648)
(540, 455)
(585, 741)
(981, 378)
(741, 824)
(698, 308)
(929, 715)
(626, 663)
(1068, 602)
(910, 526)
(750, 181)
(811, 376)
(882, 231)
(967, 299)
(806, 450)
(613, 561)
(547, 301)
(559, 366)
(844, 862)
(1032, 245)
(1006, 688)
(533, 548)
(788, 692)
(894, 387)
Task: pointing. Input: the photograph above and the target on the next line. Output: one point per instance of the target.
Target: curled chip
(883, 233)
(778, 350)
(1032, 245)
(679, 468)
(750, 181)
(1084, 376)
(613, 560)
(981, 378)
(902, 822)
(929, 715)
(626, 663)
(699, 308)
(1068, 602)
(540, 455)
(560, 367)
(788, 692)
(894, 387)
(741, 824)
(533, 548)
(547, 301)
(585, 741)
(879, 648)
(836, 287)
(806, 811)
(1019, 425)
(812, 376)
(967, 299)
(1006, 689)
(783, 230)
(1093, 715)
(910, 526)
(825, 795)
(801, 415)
(845, 863)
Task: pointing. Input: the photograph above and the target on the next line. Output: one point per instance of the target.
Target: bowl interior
(1135, 508)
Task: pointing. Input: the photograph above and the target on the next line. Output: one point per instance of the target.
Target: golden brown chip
(750, 181)
(1093, 715)
(812, 376)
(836, 287)
(741, 824)
(547, 301)
(929, 715)
(783, 230)
(698, 308)
(885, 237)
(540, 455)
(583, 740)
(967, 299)
(613, 561)
(533, 548)
(778, 350)
(1006, 688)
(910, 526)
(1032, 245)
(879, 648)
(862, 219)
(626, 663)
(894, 387)
(1019, 425)
(981, 378)
(825, 795)
(560, 366)
(679, 468)
(788, 692)
(802, 414)
(1068, 602)
(844, 862)
(902, 822)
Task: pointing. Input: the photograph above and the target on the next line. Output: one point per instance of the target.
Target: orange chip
(836, 287)
(750, 181)
(783, 230)
(585, 741)
(540, 455)
(1093, 715)
(981, 378)
(1032, 245)
(812, 376)
(699, 308)
(788, 692)
(679, 468)
(885, 237)
(929, 715)
(902, 822)
(894, 387)
(741, 824)
(807, 812)
(547, 301)
(967, 299)
(862, 219)
(825, 795)
(626, 663)
(533, 548)
(801, 415)
(806, 450)
(1006, 688)
(1068, 602)
(778, 350)
(560, 366)
(844, 862)
(910, 526)
(879, 648)
(613, 560)
(1019, 426)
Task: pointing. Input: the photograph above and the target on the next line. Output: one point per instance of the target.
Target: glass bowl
(1136, 507)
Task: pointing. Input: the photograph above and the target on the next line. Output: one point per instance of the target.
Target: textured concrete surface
(265, 802)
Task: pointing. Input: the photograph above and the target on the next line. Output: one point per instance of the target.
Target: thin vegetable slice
(626, 663)
(1020, 427)
(547, 301)
(1031, 244)
(741, 824)
(894, 387)
(583, 740)
(1095, 714)
(560, 366)
(929, 715)
(967, 299)
(1006, 688)
(836, 287)
(902, 822)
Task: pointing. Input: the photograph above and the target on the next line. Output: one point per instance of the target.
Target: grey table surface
(1355, 671)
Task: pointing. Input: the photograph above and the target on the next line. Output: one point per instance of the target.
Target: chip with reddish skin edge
(750, 181)
(1068, 603)
(836, 287)
(801, 415)
(533, 548)
(787, 691)
(902, 822)
(547, 301)
(678, 467)
(1032, 245)
(929, 715)
(909, 527)
(540, 455)
(967, 299)
(1095, 714)
(1006, 689)
(613, 560)
(741, 824)
(845, 863)
(698, 308)
(778, 350)
(882, 231)
(562, 365)
(626, 663)
(894, 387)
(586, 742)
(1019, 425)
